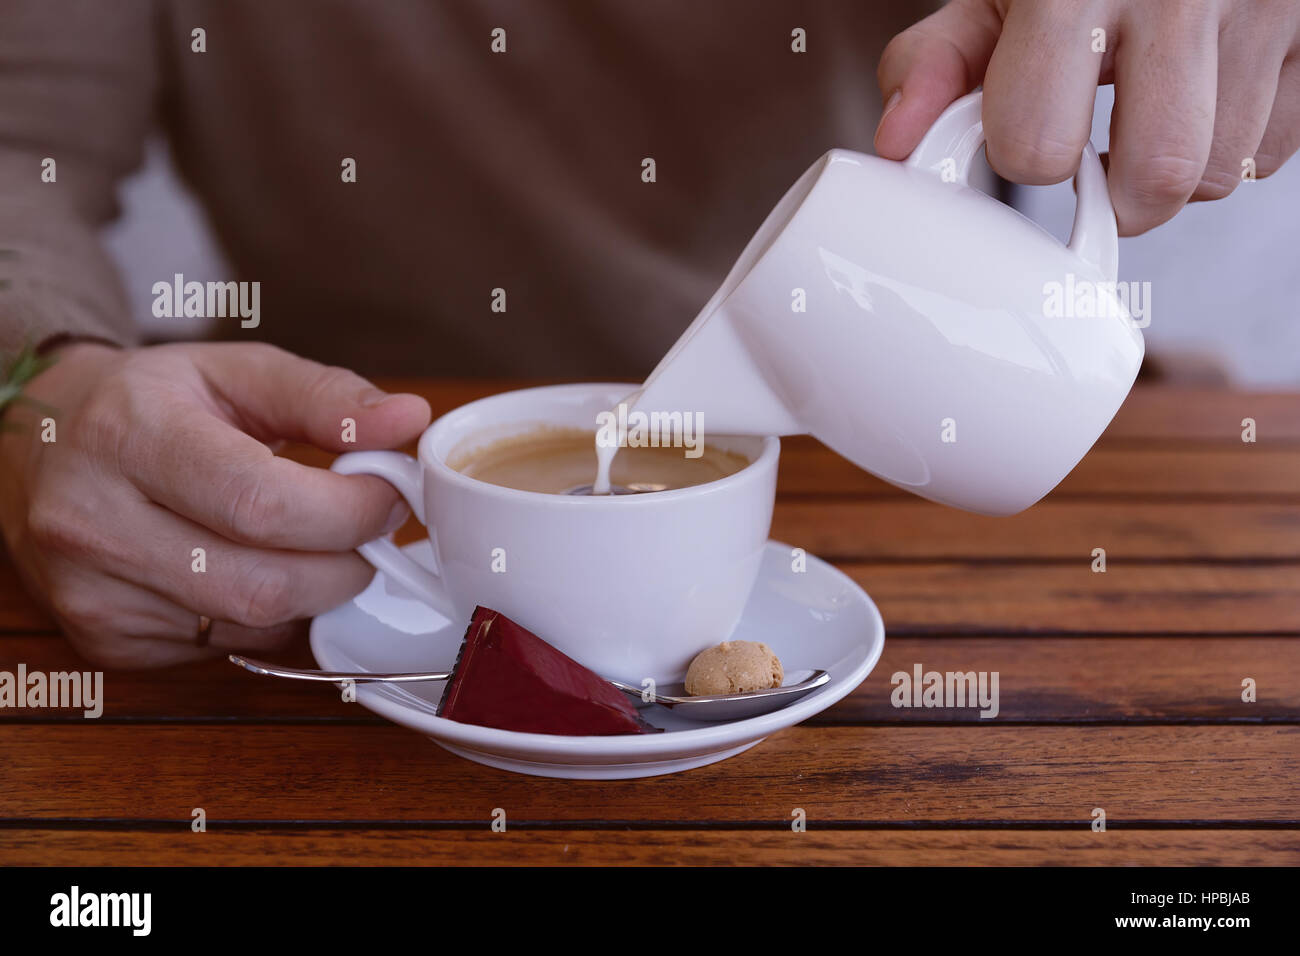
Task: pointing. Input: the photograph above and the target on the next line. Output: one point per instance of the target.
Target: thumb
(929, 65)
(274, 394)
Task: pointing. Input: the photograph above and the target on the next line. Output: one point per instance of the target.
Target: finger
(1163, 121)
(276, 394)
(190, 567)
(215, 475)
(117, 625)
(129, 652)
(147, 630)
(929, 65)
(228, 636)
(153, 617)
(145, 615)
(1039, 92)
(1249, 66)
(1282, 136)
(258, 588)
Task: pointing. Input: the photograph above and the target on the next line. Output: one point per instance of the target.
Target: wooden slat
(1094, 679)
(1205, 414)
(1043, 679)
(1061, 530)
(1134, 598)
(808, 468)
(521, 846)
(1233, 471)
(210, 690)
(844, 774)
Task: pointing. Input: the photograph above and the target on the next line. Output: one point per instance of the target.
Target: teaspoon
(711, 707)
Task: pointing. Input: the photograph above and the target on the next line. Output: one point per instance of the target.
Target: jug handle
(957, 136)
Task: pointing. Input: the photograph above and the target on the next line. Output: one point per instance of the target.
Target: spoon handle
(332, 677)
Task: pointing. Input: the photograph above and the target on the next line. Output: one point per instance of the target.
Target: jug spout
(712, 374)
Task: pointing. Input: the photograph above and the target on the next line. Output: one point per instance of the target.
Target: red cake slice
(508, 677)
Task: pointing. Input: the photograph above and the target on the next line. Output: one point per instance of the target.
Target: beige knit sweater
(476, 170)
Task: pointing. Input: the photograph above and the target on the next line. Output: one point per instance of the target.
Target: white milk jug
(917, 327)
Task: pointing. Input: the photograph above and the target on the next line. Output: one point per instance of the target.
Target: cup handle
(957, 136)
(405, 474)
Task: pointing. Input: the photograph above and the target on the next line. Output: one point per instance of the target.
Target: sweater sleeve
(77, 88)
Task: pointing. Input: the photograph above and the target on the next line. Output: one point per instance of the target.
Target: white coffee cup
(632, 586)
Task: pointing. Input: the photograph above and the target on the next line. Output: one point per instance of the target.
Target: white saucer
(815, 618)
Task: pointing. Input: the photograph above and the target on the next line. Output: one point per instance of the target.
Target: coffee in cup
(556, 460)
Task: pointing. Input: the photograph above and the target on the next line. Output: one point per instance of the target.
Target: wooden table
(1120, 690)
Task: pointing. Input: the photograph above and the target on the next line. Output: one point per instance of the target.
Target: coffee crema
(559, 460)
